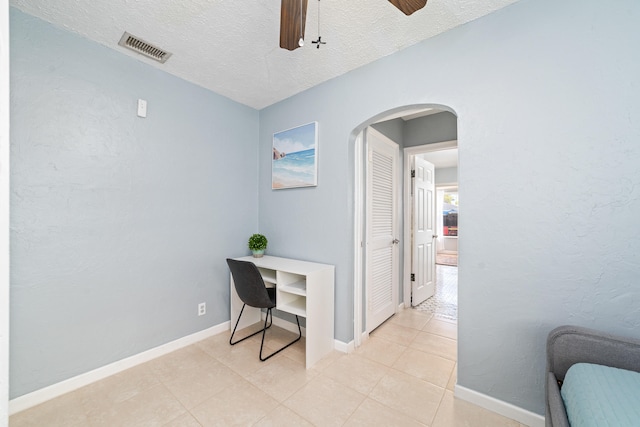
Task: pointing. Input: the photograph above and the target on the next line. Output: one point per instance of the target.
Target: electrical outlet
(202, 308)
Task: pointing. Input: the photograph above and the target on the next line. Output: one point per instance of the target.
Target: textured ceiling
(231, 46)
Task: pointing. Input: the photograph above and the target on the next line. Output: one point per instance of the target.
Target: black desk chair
(252, 291)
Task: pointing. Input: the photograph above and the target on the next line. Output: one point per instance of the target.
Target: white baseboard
(344, 347)
(55, 390)
(364, 337)
(500, 407)
(350, 347)
(37, 397)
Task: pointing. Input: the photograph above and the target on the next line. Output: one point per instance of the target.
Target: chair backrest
(249, 284)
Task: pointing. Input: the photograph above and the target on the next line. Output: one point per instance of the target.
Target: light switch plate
(142, 108)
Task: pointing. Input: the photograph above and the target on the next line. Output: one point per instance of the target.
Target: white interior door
(424, 238)
(381, 276)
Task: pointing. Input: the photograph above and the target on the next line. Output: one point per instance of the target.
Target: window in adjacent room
(450, 213)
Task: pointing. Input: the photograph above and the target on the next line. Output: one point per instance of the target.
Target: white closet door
(382, 230)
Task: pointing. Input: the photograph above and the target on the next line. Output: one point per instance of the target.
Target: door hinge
(413, 173)
(413, 277)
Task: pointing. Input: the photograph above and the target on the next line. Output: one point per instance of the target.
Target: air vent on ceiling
(142, 47)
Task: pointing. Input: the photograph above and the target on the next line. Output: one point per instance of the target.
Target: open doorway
(444, 158)
(417, 131)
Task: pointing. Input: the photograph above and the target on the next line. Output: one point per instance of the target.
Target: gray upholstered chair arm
(556, 415)
(568, 345)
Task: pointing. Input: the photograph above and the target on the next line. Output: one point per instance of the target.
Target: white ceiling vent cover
(142, 47)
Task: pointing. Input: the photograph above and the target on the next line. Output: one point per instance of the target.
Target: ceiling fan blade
(292, 23)
(408, 6)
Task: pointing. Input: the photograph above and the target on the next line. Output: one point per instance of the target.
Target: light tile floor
(403, 375)
(444, 303)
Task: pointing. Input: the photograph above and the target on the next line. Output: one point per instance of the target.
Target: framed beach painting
(295, 157)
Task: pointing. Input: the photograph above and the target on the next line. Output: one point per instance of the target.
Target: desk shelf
(297, 306)
(297, 288)
(291, 293)
(268, 275)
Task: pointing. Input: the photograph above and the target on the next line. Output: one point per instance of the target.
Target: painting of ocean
(295, 161)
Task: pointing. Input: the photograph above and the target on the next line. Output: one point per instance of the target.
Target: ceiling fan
(293, 16)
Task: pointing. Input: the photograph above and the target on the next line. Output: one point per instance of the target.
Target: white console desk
(302, 288)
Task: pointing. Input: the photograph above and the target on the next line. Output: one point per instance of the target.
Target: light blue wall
(392, 129)
(548, 120)
(429, 129)
(120, 225)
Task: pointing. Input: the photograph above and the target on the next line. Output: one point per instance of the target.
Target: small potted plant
(257, 244)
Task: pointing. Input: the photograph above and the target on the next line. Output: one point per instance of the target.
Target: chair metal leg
(255, 333)
(264, 330)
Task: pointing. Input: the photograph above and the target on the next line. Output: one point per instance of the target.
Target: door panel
(382, 249)
(423, 249)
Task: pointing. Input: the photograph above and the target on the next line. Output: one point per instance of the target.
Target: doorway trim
(4, 211)
(408, 154)
(358, 239)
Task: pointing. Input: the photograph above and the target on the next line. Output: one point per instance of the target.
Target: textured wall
(120, 225)
(548, 121)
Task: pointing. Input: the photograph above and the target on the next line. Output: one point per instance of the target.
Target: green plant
(257, 242)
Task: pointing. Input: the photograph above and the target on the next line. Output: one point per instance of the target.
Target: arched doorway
(393, 123)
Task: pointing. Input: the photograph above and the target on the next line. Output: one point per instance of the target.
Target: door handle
(395, 241)
(435, 236)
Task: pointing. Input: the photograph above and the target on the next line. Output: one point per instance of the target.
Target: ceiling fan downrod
(319, 41)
